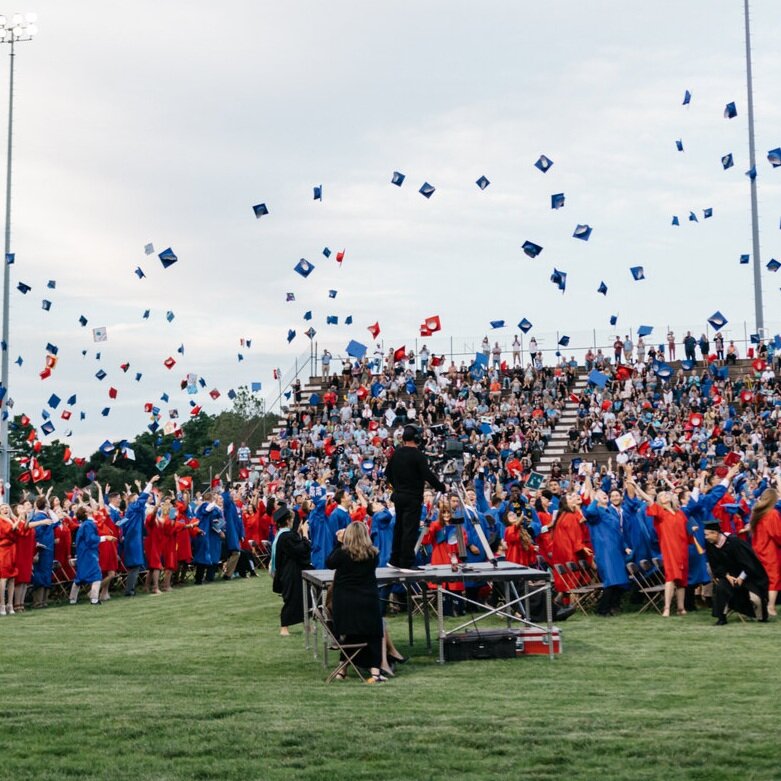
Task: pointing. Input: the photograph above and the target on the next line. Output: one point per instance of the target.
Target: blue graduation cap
(707, 213)
(717, 320)
(557, 201)
(687, 365)
(45, 415)
(105, 411)
(773, 265)
(54, 401)
(48, 427)
(318, 195)
(637, 273)
(19, 361)
(46, 305)
(308, 314)
(564, 341)
(663, 370)
(543, 163)
(51, 284)
(107, 448)
(52, 348)
(180, 349)
(23, 289)
(676, 221)
(202, 382)
(482, 182)
(290, 296)
(332, 320)
(486, 428)
(255, 387)
(167, 257)
(727, 161)
(355, 349)
(348, 320)
(291, 334)
(687, 97)
(531, 249)
(525, 325)
(260, 209)
(497, 323)
(83, 320)
(559, 278)
(164, 398)
(602, 288)
(582, 232)
(149, 249)
(101, 374)
(679, 145)
(71, 400)
(730, 112)
(331, 294)
(10, 258)
(169, 315)
(139, 272)
(427, 190)
(138, 376)
(326, 252)
(481, 359)
(239, 357)
(774, 157)
(310, 332)
(744, 259)
(304, 268)
(231, 395)
(145, 316)
(752, 172)
(644, 330)
(693, 217)
(398, 178)
(598, 378)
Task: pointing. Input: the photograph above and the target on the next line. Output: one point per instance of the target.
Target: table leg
(323, 597)
(507, 599)
(441, 624)
(549, 616)
(307, 618)
(426, 622)
(409, 611)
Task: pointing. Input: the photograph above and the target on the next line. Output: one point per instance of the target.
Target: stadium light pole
(17, 29)
(758, 308)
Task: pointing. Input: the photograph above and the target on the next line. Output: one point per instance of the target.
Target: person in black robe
(357, 613)
(289, 558)
(739, 580)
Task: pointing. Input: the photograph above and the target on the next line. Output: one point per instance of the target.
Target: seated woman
(357, 614)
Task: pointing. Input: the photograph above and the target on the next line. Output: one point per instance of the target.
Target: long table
(511, 576)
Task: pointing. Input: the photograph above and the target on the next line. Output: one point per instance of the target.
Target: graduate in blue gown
(132, 529)
(44, 543)
(87, 565)
(234, 533)
(202, 548)
(323, 528)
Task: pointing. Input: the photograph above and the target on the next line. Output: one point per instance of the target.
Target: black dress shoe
(563, 613)
(722, 620)
(398, 659)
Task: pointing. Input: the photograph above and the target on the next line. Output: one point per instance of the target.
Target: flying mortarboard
(290, 296)
(355, 349)
(348, 320)
(773, 265)
(663, 370)
(374, 330)
(52, 349)
(687, 97)
(99, 334)
(727, 161)
(318, 192)
(752, 172)
(645, 330)
(598, 378)
(433, 323)
(23, 289)
(48, 427)
(676, 221)
(687, 365)
(497, 323)
(331, 294)
(707, 213)
(100, 374)
(46, 305)
(613, 319)
(482, 182)
(310, 332)
(582, 232)
(10, 257)
(149, 248)
(255, 387)
(167, 258)
(54, 401)
(308, 314)
(744, 259)
(730, 111)
(51, 284)
(169, 315)
(145, 316)
(557, 201)
(72, 400)
(693, 217)
(304, 268)
(427, 190)
(774, 157)
(602, 288)
(139, 272)
(105, 411)
(559, 278)
(525, 325)
(291, 334)
(332, 320)
(637, 273)
(564, 341)
(679, 145)
(340, 256)
(531, 249)
(543, 163)
(398, 178)
(169, 362)
(260, 209)
(326, 252)
(717, 320)
(83, 321)
(240, 357)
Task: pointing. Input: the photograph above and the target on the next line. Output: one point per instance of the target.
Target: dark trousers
(405, 532)
(727, 597)
(610, 600)
(245, 566)
(200, 571)
(130, 581)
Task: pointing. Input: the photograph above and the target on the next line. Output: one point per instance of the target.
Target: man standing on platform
(407, 472)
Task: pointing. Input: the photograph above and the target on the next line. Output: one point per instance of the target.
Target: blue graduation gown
(216, 525)
(638, 534)
(324, 540)
(87, 542)
(44, 535)
(200, 543)
(132, 526)
(608, 543)
(234, 529)
(383, 523)
(698, 512)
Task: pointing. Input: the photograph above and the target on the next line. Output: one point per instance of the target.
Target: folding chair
(421, 599)
(263, 553)
(653, 593)
(347, 651)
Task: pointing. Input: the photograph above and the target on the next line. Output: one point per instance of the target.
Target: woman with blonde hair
(357, 614)
(765, 528)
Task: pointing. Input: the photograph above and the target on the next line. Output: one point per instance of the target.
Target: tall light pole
(758, 308)
(15, 30)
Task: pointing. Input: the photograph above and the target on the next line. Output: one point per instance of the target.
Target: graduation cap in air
(564, 341)
(559, 278)
(112, 393)
(355, 349)
(543, 163)
(290, 296)
(679, 145)
(744, 259)
(48, 427)
(687, 97)
(308, 314)
(676, 221)
(139, 272)
(10, 258)
(602, 288)
(255, 387)
(83, 321)
(23, 289)
(483, 182)
(727, 161)
(707, 213)
(260, 209)
(497, 323)
(687, 365)
(105, 411)
(531, 249)
(100, 374)
(433, 323)
(730, 111)
(557, 201)
(613, 319)
(310, 332)
(663, 370)
(331, 294)
(107, 448)
(99, 334)
(773, 265)
(145, 316)
(645, 330)
(54, 401)
(348, 320)
(340, 256)
(332, 320)
(167, 258)
(693, 217)
(291, 334)
(51, 284)
(598, 378)
(318, 192)
(169, 315)
(398, 178)
(427, 190)
(637, 273)
(717, 320)
(149, 248)
(240, 357)
(326, 252)
(72, 400)
(582, 232)
(304, 268)
(774, 157)
(46, 305)
(525, 325)
(374, 330)
(169, 362)
(752, 172)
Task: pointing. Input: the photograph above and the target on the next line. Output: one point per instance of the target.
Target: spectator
(718, 342)
(690, 347)
(424, 355)
(325, 360)
(496, 354)
(732, 354)
(628, 349)
(516, 345)
(704, 347)
(670, 345)
(243, 456)
(640, 350)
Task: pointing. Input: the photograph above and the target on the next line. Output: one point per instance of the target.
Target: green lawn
(197, 684)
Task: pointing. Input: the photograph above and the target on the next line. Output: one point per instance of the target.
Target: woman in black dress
(357, 613)
(290, 555)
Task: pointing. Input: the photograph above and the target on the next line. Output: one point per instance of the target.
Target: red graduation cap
(574, 398)
(695, 419)
(37, 446)
(746, 396)
(243, 473)
(643, 447)
(31, 437)
(759, 365)
(24, 420)
(275, 455)
(124, 366)
(193, 463)
(400, 354)
(425, 331)
(362, 392)
(373, 425)
(374, 330)
(169, 362)
(214, 393)
(712, 358)
(112, 393)
(194, 411)
(623, 373)
(607, 404)
(437, 360)
(216, 482)
(720, 471)
(433, 323)
(340, 256)
(24, 477)
(66, 414)
(731, 459)
(46, 373)
(66, 454)
(185, 483)
(148, 406)
(51, 361)
(79, 461)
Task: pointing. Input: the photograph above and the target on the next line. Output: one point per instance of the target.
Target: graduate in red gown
(108, 555)
(765, 525)
(520, 546)
(8, 534)
(153, 547)
(570, 543)
(185, 533)
(25, 552)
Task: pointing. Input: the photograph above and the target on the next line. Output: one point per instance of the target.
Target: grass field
(197, 684)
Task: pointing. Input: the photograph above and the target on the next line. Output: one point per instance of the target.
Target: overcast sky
(165, 122)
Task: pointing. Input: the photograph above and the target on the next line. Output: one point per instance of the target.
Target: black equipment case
(491, 644)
